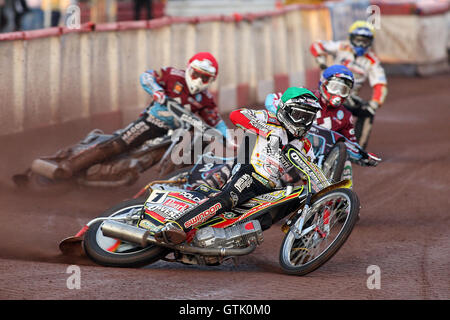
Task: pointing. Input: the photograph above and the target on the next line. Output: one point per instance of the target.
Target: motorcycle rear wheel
(334, 163)
(110, 252)
(304, 254)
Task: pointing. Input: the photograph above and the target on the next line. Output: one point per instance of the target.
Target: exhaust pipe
(47, 169)
(142, 237)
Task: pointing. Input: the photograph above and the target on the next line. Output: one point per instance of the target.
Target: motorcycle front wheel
(111, 252)
(329, 223)
(333, 165)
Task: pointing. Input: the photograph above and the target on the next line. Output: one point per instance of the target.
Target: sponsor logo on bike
(203, 216)
(167, 213)
(177, 205)
(310, 169)
(295, 156)
(159, 123)
(190, 196)
(134, 131)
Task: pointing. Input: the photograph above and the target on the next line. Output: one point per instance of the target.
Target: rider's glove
(321, 61)
(159, 96)
(368, 162)
(292, 175)
(371, 107)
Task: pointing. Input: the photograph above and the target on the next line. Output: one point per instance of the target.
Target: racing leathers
(337, 119)
(155, 121)
(170, 83)
(265, 169)
(364, 67)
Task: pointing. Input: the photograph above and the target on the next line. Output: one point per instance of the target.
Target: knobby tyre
(113, 253)
(338, 209)
(333, 165)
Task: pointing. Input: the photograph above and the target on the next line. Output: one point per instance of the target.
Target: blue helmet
(335, 84)
(338, 70)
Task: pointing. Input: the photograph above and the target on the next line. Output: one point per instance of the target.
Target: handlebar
(188, 120)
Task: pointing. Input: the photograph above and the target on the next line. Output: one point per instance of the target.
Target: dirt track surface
(403, 228)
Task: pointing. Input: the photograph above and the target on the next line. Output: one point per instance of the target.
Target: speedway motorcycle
(123, 169)
(316, 225)
(331, 150)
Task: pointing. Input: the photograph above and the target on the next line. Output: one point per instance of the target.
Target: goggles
(300, 115)
(336, 87)
(206, 78)
(361, 41)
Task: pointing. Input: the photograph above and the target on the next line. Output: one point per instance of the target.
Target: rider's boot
(94, 155)
(73, 164)
(172, 233)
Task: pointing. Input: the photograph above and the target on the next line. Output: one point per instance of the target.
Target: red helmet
(202, 70)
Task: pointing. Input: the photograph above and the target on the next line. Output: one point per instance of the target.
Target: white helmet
(202, 70)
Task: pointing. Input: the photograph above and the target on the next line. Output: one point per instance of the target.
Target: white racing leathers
(268, 155)
(364, 67)
(265, 168)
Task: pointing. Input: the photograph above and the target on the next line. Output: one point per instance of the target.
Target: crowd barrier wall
(52, 76)
(56, 75)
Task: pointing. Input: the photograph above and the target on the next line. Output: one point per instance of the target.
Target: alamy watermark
(73, 17)
(192, 146)
(374, 279)
(374, 16)
(74, 280)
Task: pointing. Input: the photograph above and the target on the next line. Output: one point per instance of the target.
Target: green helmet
(297, 110)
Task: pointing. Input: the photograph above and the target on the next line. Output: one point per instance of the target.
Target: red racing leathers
(170, 83)
(338, 119)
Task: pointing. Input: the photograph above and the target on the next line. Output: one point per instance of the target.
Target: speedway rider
(189, 88)
(335, 85)
(267, 167)
(356, 54)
